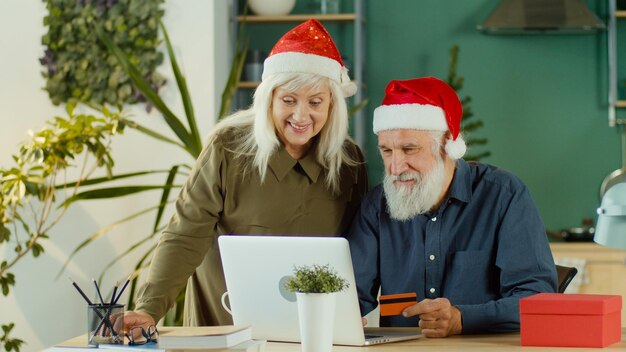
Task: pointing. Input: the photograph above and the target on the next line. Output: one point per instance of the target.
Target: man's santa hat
(308, 48)
(424, 103)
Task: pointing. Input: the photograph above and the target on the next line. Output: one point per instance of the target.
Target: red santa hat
(426, 103)
(308, 48)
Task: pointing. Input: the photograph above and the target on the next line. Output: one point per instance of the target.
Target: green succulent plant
(315, 279)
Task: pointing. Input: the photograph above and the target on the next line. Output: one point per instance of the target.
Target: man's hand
(438, 318)
(132, 319)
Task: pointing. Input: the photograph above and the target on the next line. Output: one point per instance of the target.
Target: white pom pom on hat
(426, 103)
(309, 48)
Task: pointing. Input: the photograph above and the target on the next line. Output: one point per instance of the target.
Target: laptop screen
(256, 268)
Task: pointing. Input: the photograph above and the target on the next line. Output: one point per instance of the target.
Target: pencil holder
(105, 324)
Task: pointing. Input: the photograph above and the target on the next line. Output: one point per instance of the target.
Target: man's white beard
(406, 202)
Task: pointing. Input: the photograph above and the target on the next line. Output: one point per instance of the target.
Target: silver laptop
(256, 268)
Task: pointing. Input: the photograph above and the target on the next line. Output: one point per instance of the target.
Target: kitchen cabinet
(356, 19)
(605, 268)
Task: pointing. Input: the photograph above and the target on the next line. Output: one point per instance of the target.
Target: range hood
(542, 17)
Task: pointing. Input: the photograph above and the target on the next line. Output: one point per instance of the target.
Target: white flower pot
(271, 7)
(316, 313)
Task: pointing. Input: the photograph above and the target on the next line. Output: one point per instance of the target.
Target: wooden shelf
(339, 17)
(248, 84)
(620, 104)
(620, 14)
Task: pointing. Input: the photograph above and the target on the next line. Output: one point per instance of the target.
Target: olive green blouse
(222, 197)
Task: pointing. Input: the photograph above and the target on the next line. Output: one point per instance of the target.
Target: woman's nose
(301, 112)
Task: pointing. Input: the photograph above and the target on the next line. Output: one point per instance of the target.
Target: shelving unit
(357, 19)
(339, 17)
(614, 103)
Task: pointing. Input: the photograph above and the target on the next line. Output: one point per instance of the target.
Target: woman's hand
(133, 319)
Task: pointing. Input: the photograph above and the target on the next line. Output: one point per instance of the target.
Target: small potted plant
(316, 289)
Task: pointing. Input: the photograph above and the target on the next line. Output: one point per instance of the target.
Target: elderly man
(465, 237)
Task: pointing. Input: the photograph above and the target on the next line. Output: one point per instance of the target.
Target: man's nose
(397, 164)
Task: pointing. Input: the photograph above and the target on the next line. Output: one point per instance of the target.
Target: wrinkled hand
(132, 319)
(438, 318)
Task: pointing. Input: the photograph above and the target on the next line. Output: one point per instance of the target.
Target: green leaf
(7, 281)
(128, 250)
(138, 269)
(101, 233)
(99, 180)
(358, 107)
(112, 192)
(164, 197)
(5, 233)
(144, 86)
(156, 135)
(184, 92)
(37, 249)
(239, 58)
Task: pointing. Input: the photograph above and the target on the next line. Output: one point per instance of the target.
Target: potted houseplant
(316, 289)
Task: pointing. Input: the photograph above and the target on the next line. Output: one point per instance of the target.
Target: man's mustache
(406, 176)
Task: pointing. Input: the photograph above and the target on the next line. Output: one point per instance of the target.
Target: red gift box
(570, 320)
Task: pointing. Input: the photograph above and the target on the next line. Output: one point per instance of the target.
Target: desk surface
(496, 342)
(499, 342)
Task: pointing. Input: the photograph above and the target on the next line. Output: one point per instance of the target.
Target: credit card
(395, 304)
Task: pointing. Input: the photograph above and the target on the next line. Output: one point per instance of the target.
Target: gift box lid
(570, 304)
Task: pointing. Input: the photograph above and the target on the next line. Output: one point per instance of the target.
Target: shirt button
(432, 290)
(434, 219)
(431, 257)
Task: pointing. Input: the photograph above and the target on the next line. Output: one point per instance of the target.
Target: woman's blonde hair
(255, 133)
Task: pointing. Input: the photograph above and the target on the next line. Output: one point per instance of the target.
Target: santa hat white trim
(455, 149)
(295, 62)
(417, 117)
(409, 116)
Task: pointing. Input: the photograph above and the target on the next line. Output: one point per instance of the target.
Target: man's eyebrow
(405, 145)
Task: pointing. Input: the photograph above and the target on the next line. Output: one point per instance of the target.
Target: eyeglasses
(140, 336)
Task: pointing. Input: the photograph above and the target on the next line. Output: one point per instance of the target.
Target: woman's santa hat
(426, 103)
(308, 48)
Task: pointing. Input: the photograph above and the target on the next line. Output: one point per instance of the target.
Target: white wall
(46, 310)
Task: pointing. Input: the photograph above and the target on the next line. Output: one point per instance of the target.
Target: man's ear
(442, 144)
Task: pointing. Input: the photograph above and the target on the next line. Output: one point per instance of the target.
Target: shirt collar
(281, 163)
(461, 187)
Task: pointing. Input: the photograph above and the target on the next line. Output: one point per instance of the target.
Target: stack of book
(209, 337)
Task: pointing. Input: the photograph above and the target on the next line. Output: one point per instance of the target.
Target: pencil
(122, 289)
(98, 290)
(112, 301)
(80, 291)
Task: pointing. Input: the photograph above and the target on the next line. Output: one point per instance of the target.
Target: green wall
(542, 98)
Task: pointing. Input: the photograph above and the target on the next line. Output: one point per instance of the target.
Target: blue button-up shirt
(483, 249)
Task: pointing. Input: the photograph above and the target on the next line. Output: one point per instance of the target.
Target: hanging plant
(79, 68)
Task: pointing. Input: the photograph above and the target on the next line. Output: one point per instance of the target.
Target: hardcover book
(203, 336)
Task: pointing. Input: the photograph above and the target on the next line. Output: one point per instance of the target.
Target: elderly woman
(284, 166)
